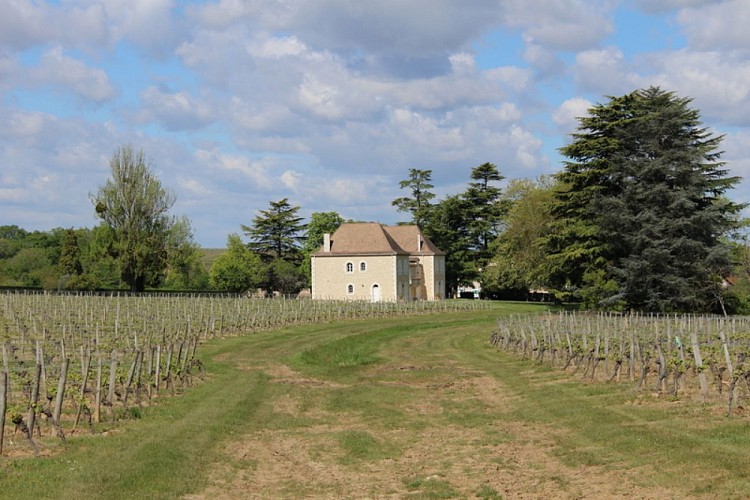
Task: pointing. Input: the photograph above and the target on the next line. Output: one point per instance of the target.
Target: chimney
(419, 242)
(327, 242)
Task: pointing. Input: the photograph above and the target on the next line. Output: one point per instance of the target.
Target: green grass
(403, 396)
(361, 445)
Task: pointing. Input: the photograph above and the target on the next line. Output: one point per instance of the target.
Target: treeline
(638, 218)
(80, 259)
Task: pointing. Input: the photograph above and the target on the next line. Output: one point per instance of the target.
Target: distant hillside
(210, 255)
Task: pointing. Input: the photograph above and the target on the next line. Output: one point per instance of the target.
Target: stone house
(370, 261)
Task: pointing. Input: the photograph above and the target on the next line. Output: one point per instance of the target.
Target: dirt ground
(516, 461)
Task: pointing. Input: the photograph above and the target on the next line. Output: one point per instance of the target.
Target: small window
(350, 289)
(349, 267)
(362, 266)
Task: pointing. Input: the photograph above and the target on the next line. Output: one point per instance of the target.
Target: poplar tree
(135, 206)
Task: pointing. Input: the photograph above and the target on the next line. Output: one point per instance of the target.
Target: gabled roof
(407, 237)
(372, 238)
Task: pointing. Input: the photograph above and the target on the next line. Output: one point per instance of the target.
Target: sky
(329, 103)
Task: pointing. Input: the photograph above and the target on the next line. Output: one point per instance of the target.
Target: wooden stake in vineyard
(61, 391)
(3, 405)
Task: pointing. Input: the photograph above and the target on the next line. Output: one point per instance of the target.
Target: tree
(238, 269)
(185, 269)
(135, 206)
(320, 224)
(418, 204)
(641, 214)
(485, 209)
(101, 269)
(518, 260)
(275, 233)
(70, 255)
(447, 228)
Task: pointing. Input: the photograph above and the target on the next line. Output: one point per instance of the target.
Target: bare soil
(507, 460)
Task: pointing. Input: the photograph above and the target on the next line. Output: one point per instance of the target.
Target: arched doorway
(376, 293)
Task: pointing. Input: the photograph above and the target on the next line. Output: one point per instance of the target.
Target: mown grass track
(400, 408)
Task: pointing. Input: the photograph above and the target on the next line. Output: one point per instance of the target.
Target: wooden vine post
(34, 398)
(3, 405)
(728, 360)
(699, 365)
(61, 391)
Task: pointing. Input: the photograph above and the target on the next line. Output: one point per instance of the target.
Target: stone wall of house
(331, 280)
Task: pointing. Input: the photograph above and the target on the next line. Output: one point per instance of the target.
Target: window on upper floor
(349, 267)
(362, 266)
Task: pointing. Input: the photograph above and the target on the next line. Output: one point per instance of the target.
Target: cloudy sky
(330, 102)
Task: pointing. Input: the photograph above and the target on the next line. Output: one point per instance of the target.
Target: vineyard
(76, 363)
(702, 356)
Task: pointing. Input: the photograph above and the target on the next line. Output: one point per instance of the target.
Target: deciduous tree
(135, 206)
(518, 261)
(238, 269)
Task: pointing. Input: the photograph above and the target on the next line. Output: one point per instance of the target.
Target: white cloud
(603, 71)
(291, 180)
(26, 23)
(58, 69)
(257, 171)
(561, 25)
(149, 24)
(193, 186)
(716, 80)
(26, 124)
(719, 25)
(567, 114)
(277, 48)
(175, 110)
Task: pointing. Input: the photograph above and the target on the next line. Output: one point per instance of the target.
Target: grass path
(401, 408)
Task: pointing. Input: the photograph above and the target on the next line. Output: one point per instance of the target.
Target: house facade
(370, 261)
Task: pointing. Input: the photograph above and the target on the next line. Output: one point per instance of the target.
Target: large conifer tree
(639, 220)
(276, 232)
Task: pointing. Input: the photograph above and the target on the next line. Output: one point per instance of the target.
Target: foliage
(518, 260)
(641, 205)
(285, 277)
(418, 204)
(70, 254)
(185, 270)
(447, 228)
(320, 224)
(238, 269)
(485, 210)
(463, 226)
(135, 206)
(30, 267)
(275, 232)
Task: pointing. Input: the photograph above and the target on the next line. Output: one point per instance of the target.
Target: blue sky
(330, 102)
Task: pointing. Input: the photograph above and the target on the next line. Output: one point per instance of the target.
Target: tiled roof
(372, 238)
(407, 236)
